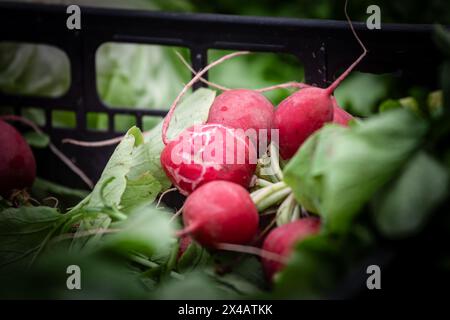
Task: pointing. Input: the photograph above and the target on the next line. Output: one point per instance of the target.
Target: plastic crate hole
(123, 122)
(97, 121)
(149, 122)
(63, 119)
(258, 70)
(33, 69)
(140, 75)
(34, 114)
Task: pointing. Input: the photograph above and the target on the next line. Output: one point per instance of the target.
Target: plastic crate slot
(63, 119)
(34, 69)
(36, 115)
(258, 70)
(97, 121)
(149, 122)
(130, 75)
(122, 122)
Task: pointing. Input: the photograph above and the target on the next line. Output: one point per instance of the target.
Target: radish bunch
(202, 163)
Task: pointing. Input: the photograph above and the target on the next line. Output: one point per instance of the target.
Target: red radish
(17, 163)
(281, 241)
(340, 116)
(242, 109)
(299, 115)
(220, 212)
(206, 153)
(307, 110)
(198, 156)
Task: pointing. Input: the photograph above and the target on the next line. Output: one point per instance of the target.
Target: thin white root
(176, 214)
(163, 194)
(101, 143)
(251, 250)
(167, 119)
(53, 199)
(286, 85)
(209, 83)
(336, 82)
(71, 166)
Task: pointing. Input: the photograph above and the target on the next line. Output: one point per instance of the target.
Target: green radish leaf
(196, 286)
(194, 257)
(140, 191)
(37, 140)
(402, 207)
(319, 263)
(23, 231)
(102, 277)
(128, 167)
(236, 283)
(90, 231)
(389, 105)
(67, 197)
(114, 174)
(361, 92)
(337, 170)
(250, 269)
(146, 231)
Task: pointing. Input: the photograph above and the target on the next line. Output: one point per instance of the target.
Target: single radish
(17, 163)
(243, 109)
(206, 153)
(307, 110)
(220, 212)
(340, 116)
(281, 241)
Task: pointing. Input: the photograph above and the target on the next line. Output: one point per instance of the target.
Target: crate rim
(222, 18)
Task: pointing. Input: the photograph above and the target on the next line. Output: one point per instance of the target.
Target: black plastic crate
(323, 47)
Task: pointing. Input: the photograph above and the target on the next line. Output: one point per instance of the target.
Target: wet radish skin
(189, 169)
(300, 115)
(223, 213)
(281, 241)
(242, 109)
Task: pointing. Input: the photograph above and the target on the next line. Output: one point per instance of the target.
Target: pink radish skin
(300, 115)
(281, 241)
(340, 116)
(188, 162)
(242, 109)
(220, 212)
(307, 110)
(17, 163)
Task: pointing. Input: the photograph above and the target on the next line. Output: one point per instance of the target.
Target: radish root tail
(167, 119)
(336, 82)
(251, 250)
